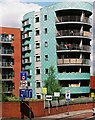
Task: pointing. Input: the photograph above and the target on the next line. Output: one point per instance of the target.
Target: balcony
(6, 65)
(73, 61)
(25, 23)
(27, 48)
(76, 90)
(73, 33)
(7, 52)
(8, 90)
(7, 77)
(6, 38)
(73, 19)
(63, 46)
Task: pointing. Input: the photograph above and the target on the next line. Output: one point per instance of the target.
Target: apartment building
(58, 35)
(10, 60)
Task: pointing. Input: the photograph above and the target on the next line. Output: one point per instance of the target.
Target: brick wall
(12, 109)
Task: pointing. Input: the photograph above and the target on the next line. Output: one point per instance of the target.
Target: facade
(58, 35)
(10, 59)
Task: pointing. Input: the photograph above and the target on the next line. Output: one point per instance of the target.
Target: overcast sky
(12, 11)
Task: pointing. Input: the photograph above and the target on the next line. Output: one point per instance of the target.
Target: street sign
(56, 94)
(49, 97)
(25, 93)
(24, 84)
(67, 95)
(23, 75)
(92, 94)
(44, 90)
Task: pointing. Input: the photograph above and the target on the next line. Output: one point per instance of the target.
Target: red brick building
(92, 83)
(10, 59)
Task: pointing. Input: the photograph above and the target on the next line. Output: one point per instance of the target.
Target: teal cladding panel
(50, 37)
(30, 16)
(73, 76)
(76, 90)
(73, 5)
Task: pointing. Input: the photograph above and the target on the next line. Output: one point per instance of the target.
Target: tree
(51, 83)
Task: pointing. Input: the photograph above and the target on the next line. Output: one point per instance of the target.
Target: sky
(12, 11)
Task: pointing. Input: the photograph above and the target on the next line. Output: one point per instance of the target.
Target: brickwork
(12, 109)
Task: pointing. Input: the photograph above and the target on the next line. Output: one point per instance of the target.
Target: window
(38, 96)
(37, 19)
(45, 30)
(37, 58)
(37, 45)
(37, 32)
(37, 71)
(38, 84)
(45, 17)
(46, 57)
(46, 44)
(46, 71)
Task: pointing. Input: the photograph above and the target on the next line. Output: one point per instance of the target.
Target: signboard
(44, 90)
(92, 94)
(49, 97)
(56, 94)
(23, 75)
(67, 95)
(25, 93)
(23, 84)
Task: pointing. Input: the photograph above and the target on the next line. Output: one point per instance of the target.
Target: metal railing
(72, 19)
(7, 76)
(73, 47)
(73, 33)
(7, 52)
(73, 61)
(7, 64)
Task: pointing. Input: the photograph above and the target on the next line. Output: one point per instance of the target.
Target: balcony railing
(7, 76)
(26, 49)
(8, 90)
(73, 61)
(7, 64)
(72, 19)
(72, 47)
(73, 33)
(7, 52)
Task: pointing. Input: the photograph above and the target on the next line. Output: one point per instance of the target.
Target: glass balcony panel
(73, 61)
(73, 33)
(69, 46)
(72, 19)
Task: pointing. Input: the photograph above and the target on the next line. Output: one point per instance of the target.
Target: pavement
(66, 114)
(61, 116)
